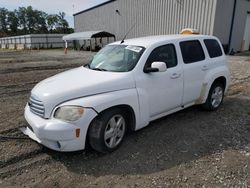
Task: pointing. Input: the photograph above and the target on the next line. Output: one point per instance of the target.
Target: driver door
(161, 91)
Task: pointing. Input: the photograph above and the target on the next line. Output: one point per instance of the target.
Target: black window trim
(201, 48)
(174, 47)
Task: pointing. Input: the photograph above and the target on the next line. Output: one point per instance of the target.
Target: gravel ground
(191, 148)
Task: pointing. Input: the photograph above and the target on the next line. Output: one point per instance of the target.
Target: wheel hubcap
(114, 131)
(217, 96)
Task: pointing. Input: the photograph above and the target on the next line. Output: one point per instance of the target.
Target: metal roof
(93, 7)
(33, 36)
(87, 35)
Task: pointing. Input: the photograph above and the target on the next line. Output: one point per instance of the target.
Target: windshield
(116, 58)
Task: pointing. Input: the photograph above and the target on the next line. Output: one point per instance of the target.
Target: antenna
(118, 12)
(128, 33)
(130, 29)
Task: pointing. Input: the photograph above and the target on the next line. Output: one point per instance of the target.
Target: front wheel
(107, 131)
(215, 97)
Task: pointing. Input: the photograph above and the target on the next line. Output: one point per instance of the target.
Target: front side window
(166, 54)
(213, 48)
(116, 58)
(192, 51)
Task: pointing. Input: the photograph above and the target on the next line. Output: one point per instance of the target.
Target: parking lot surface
(191, 148)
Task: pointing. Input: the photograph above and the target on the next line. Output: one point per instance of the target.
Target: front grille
(36, 106)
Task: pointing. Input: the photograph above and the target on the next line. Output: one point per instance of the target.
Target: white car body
(149, 96)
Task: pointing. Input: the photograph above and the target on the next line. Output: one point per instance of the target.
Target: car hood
(79, 82)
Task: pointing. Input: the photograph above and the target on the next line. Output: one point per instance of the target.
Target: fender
(101, 102)
(144, 108)
(211, 76)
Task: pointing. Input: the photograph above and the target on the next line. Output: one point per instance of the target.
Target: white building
(33, 41)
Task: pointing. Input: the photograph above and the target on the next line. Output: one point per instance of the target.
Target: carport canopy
(87, 35)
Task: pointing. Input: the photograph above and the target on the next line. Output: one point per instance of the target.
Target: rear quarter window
(213, 48)
(192, 51)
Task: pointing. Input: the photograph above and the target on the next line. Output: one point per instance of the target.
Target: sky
(53, 6)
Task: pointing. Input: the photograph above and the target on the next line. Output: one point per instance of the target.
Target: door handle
(175, 75)
(204, 68)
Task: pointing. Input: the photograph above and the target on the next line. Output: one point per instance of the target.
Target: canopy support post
(90, 45)
(95, 44)
(66, 47)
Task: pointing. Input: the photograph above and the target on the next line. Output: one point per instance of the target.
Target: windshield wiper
(99, 69)
(86, 65)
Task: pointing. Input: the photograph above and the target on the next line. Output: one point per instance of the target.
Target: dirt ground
(191, 148)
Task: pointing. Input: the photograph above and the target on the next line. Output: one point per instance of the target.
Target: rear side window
(192, 51)
(213, 48)
(165, 54)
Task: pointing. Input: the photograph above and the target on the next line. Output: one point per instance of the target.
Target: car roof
(151, 40)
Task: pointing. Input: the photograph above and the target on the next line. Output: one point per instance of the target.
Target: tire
(215, 97)
(107, 131)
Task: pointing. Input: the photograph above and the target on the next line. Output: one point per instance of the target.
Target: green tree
(63, 25)
(13, 22)
(31, 19)
(40, 26)
(3, 20)
(28, 21)
(52, 22)
(22, 17)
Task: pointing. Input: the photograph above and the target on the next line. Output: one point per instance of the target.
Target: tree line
(26, 20)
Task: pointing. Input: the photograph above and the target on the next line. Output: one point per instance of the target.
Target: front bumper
(56, 134)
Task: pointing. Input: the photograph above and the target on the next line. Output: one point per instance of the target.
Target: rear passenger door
(194, 68)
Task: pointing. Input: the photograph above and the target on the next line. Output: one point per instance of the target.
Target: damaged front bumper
(56, 134)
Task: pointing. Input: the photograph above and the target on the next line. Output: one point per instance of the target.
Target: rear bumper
(58, 135)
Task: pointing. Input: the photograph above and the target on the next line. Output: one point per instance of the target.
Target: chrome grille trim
(39, 107)
(36, 106)
(36, 101)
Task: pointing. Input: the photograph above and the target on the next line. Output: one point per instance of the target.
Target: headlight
(69, 113)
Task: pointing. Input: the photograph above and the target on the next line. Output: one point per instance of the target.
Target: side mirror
(156, 67)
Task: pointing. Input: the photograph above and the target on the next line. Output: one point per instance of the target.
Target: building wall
(150, 17)
(223, 20)
(242, 9)
(34, 41)
(47, 41)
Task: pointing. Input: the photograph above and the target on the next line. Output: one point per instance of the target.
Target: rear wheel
(215, 97)
(107, 131)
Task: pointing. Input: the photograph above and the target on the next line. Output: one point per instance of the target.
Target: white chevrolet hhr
(127, 85)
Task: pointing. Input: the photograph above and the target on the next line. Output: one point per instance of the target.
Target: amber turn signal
(77, 133)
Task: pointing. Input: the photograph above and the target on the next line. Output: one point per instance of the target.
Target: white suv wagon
(127, 85)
